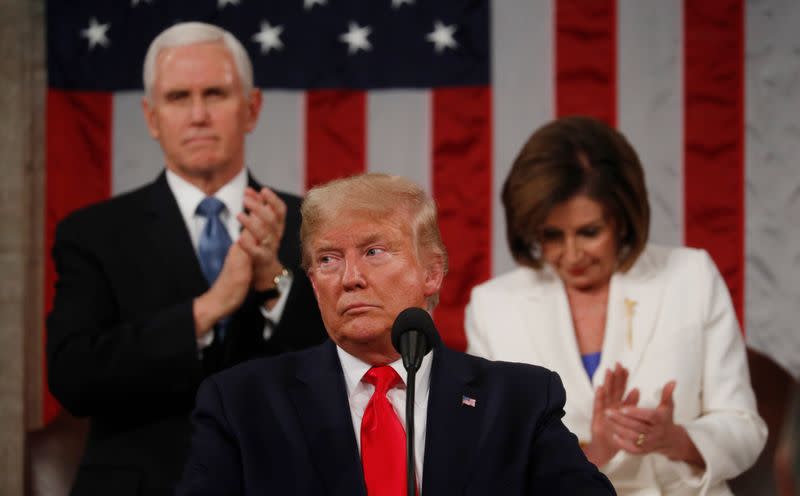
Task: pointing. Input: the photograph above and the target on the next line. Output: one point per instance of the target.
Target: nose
(199, 110)
(352, 278)
(573, 251)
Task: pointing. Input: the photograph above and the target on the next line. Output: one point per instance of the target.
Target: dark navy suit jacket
(282, 425)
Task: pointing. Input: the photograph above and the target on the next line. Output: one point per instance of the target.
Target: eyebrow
(368, 240)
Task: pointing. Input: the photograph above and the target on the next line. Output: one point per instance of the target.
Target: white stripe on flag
(136, 158)
(275, 149)
(399, 134)
(772, 78)
(650, 105)
(522, 93)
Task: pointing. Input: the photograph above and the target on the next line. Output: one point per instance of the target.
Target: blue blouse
(590, 362)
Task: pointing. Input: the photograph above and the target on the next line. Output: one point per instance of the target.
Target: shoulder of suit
(512, 282)
(678, 261)
(502, 370)
(108, 213)
(273, 369)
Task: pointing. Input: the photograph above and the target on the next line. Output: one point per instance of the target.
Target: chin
(364, 331)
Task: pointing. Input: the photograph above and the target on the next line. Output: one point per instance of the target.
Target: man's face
(365, 271)
(199, 112)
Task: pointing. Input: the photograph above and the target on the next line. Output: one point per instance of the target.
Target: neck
(368, 353)
(593, 293)
(209, 182)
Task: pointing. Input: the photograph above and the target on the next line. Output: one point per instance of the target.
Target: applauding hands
(619, 424)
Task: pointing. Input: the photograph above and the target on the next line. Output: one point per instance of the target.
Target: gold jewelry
(630, 310)
(267, 240)
(640, 440)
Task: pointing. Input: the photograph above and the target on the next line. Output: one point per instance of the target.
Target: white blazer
(669, 317)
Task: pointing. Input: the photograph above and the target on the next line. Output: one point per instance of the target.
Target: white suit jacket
(669, 317)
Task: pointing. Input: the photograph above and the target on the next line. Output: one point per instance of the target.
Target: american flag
(446, 91)
(467, 401)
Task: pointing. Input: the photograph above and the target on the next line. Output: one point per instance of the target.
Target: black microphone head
(414, 319)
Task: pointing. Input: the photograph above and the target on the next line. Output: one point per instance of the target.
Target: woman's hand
(646, 430)
(609, 396)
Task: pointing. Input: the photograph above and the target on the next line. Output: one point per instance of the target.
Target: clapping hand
(644, 430)
(609, 396)
(263, 226)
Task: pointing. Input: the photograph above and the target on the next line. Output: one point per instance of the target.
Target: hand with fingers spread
(262, 231)
(609, 396)
(646, 430)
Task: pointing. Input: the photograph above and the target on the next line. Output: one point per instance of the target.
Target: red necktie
(383, 438)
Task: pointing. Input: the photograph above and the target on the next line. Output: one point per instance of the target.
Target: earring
(535, 250)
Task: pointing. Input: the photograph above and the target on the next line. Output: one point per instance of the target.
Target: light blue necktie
(213, 246)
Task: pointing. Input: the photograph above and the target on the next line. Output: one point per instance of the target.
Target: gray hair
(189, 33)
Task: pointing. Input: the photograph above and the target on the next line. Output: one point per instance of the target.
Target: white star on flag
(442, 36)
(397, 3)
(307, 4)
(356, 38)
(96, 33)
(269, 37)
(222, 3)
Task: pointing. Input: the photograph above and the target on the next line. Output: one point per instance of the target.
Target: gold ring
(640, 440)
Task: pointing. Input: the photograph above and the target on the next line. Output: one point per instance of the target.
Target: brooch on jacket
(630, 310)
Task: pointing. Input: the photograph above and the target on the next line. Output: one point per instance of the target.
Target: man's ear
(434, 275)
(150, 117)
(254, 102)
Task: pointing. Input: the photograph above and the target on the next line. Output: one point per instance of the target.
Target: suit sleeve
(98, 362)
(729, 434)
(558, 465)
(214, 466)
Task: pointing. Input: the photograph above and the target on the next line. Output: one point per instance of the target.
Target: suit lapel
(320, 398)
(168, 240)
(454, 430)
(549, 318)
(633, 311)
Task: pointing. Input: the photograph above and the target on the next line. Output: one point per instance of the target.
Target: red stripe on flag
(78, 159)
(462, 186)
(586, 58)
(714, 136)
(336, 135)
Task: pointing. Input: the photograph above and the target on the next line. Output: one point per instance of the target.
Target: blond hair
(378, 196)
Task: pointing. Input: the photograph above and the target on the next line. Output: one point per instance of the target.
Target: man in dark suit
(182, 277)
(328, 420)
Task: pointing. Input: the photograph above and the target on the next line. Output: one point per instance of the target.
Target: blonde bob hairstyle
(570, 156)
(377, 196)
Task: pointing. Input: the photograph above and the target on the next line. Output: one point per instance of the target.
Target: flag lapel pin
(467, 401)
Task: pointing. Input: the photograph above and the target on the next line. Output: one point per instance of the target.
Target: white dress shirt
(359, 393)
(188, 197)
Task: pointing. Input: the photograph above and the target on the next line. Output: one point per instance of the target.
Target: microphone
(413, 335)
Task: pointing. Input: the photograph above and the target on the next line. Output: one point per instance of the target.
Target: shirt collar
(189, 196)
(354, 370)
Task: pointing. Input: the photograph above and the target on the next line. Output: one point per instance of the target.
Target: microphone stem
(410, 386)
